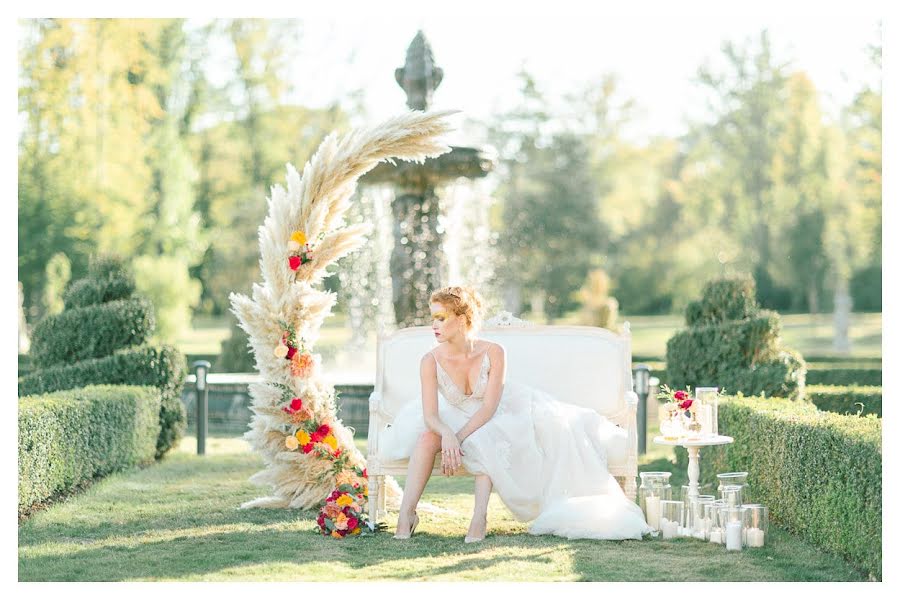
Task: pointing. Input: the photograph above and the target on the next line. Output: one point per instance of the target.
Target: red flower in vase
(681, 395)
(686, 404)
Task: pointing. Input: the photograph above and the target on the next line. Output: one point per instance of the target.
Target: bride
(545, 458)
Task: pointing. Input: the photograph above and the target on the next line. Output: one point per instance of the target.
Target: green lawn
(810, 334)
(179, 520)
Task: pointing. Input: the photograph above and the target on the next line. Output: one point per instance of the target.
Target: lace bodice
(450, 390)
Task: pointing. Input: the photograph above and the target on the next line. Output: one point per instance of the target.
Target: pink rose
(686, 404)
(680, 395)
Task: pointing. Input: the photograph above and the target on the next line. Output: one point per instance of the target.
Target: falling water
(365, 274)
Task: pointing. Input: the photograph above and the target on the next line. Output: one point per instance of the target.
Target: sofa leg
(374, 490)
(382, 493)
(631, 489)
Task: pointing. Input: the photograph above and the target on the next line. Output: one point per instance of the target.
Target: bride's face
(445, 324)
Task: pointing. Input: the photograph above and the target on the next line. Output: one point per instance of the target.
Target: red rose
(315, 437)
(321, 520)
(686, 404)
(294, 262)
(352, 522)
(287, 409)
(323, 430)
(296, 404)
(680, 395)
(291, 352)
(337, 453)
(366, 475)
(308, 448)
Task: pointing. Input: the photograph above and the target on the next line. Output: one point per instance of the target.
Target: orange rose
(301, 365)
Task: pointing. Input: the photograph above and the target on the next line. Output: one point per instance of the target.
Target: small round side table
(693, 448)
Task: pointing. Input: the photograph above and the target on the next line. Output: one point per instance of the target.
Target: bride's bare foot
(477, 529)
(406, 526)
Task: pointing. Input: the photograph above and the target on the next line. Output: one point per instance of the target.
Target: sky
(656, 58)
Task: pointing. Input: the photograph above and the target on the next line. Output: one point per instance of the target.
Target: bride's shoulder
(495, 350)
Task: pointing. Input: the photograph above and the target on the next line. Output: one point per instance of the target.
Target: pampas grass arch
(310, 211)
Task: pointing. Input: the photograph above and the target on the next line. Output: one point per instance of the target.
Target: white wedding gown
(546, 458)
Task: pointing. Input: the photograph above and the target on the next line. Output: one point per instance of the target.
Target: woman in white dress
(545, 458)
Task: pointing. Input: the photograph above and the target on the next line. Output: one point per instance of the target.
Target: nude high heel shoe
(475, 540)
(412, 529)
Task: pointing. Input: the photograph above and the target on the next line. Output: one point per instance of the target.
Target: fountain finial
(419, 77)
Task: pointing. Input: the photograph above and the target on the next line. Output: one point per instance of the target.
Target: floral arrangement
(342, 513)
(676, 400)
(307, 452)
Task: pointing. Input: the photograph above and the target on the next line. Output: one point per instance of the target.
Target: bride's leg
(478, 526)
(421, 462)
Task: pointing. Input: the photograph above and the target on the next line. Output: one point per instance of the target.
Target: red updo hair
(464, 301)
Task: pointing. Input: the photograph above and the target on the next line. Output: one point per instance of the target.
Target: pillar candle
(652, 504)
(755, 537)
(669, 528)
(715, 535)
(733, 536)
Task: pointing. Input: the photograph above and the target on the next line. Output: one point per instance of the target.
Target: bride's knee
(430, 440)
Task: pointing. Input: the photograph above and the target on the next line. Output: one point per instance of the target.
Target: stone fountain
(418, 263)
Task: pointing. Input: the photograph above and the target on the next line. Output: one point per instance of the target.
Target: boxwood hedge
(847, 400)
(162, 367)
(71, 437)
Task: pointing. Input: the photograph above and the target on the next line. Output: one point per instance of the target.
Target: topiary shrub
(818, 472)
(98, 339)
(733, 344)
(69, 438)
(108, 280)
(91, 331)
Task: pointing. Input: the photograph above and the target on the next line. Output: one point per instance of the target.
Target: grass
(810, 334)
(179, 520)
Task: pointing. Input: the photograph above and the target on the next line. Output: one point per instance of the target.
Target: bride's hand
(451, 454)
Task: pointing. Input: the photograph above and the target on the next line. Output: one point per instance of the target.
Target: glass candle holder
(715, 533)
(733, 519)
(732, 495)
(756, 525)
(671, 518)
(708, 412)
(737, 478)
(654, 488)
(696, 523)
(704, 489)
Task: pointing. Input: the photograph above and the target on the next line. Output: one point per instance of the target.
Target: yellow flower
(291, 442)
(344, 500)
(356, 531)
(302, 437)
(299, 237)
(331, 441)
(335, 534)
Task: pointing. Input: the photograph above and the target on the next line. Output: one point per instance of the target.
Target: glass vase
(756, 525)
(732, 495)
(654, 488)
(715, 533)
(671, 518)
(708, 397)
(733, 518)
(696, 524)
(736, 478)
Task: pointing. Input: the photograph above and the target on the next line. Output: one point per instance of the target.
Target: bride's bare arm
(451, 453)
(492, 393)
(428, 374)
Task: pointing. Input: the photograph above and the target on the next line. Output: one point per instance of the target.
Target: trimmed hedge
(162, 367)
(92, 331)
(843, 399)
(108, 280)
(818, 472)
(71, 437)
(833, 376)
